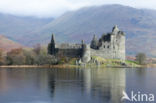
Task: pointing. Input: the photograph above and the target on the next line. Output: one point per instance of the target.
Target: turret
(115, 30)
(94, 43)
(85, 53)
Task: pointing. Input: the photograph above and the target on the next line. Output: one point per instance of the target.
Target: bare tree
(37, 49)
(1, 57)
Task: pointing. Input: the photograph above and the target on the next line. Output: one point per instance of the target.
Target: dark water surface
(73, 85)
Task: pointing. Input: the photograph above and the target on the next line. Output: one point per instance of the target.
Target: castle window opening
(108, 46)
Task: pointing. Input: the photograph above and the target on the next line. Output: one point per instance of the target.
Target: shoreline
(72, 66)
(39, 66)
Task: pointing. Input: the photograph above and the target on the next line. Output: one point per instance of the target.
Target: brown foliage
(37, 49)
(16, 57)
(1, 57)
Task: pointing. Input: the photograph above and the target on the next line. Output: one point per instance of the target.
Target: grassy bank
(62, 66)
(102, 63)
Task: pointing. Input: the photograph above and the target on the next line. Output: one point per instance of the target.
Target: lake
(74, 85)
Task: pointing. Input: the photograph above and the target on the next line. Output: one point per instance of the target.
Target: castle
(109, 46)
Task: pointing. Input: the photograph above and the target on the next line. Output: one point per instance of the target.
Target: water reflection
(141, 80)
(62, 85)
(106, 84)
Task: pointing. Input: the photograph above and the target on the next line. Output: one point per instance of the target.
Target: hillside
(7, 44)
(16, 27)
(138, 24)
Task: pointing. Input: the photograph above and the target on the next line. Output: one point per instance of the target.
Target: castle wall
(109, 46)
(74, 53)
(121, 48)
(114, 49)
(86, 53)
(102, 53)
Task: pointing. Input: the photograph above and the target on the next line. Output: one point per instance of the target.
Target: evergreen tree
(51, 46)
(94, 43)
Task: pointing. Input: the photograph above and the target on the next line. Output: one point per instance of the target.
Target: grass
(106, 62)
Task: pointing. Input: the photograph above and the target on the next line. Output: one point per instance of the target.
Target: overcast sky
(54, 8)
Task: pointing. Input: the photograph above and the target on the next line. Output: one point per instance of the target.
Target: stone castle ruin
(109, 46)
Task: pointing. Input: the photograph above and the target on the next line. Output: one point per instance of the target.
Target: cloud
(38, 8)
(54, 8)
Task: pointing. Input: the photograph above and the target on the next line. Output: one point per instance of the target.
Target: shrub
(141, 58)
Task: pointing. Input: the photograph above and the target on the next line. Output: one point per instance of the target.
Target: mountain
(7, 44)
(16, 27)
(138, 24)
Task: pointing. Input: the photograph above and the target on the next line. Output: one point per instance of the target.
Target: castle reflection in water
(62, 85)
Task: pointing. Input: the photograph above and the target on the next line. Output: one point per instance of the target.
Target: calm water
(73, 85)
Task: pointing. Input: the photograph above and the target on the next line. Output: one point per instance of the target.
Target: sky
(55, 8)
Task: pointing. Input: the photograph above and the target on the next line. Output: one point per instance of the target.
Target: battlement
(68, 46)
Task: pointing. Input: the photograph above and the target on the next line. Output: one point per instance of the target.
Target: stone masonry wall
(74, 53)
(109, 46)
(115, 49)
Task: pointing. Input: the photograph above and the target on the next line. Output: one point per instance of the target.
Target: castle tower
(94, 43)
(111, 45)
(51, 46)
(85, 53)
(118, 43)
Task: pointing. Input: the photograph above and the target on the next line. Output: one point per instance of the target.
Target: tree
(44, 58)
(29, 57)
(94, 43)
(141, 58)
(37, 49)
(1, 57)
(51, 46)
(15, 57)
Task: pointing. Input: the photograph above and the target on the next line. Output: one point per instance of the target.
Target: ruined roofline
(106, 37)
(68, 46)
(111, 33)
(115, 31)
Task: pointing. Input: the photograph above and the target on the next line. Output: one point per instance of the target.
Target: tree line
(27, 56)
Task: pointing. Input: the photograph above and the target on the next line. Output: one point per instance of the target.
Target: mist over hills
(138, 24)
(15, 27)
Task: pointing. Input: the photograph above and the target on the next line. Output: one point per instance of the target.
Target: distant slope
(7, 44)
(15, 27)
(139, 25)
